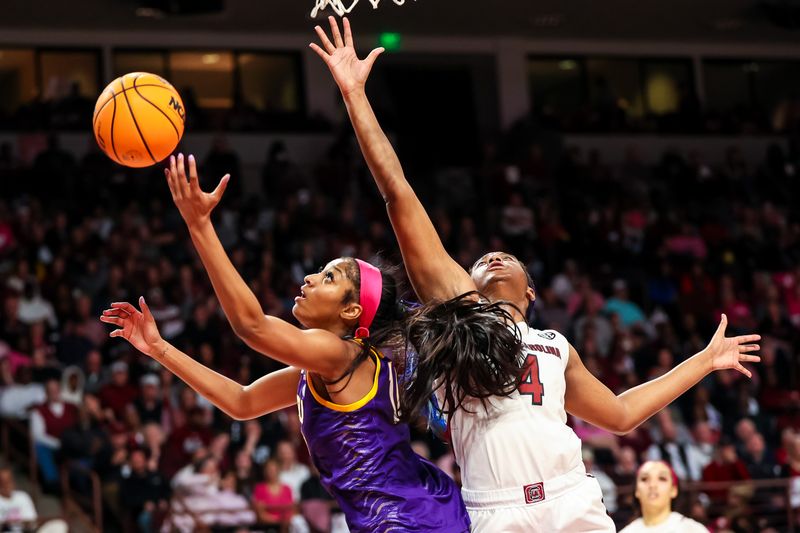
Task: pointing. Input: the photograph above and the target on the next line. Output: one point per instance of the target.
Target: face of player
(327, 298)
(500, 275)
(654, 487)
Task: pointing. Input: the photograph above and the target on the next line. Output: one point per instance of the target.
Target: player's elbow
(241, 416)
(621, 431)
(239, 406)
(623, 424)
(614, 417)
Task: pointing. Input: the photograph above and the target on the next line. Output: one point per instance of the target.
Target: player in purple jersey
(345, 389)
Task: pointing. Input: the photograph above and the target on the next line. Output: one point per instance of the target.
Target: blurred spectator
(205, 498)
(726, 466)
(758, 459)
(292, 472)
(48, 423)
(19, 395)
(142, 491)
(147, 406)
(17, 512)
(96, 375)
(33, 308)
(273, 498)
(185, 441)
(72, 385)
(119, 393)
(620, 304)
(685, 457)
(244, 473)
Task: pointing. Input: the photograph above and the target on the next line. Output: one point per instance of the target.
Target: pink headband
(370, 299)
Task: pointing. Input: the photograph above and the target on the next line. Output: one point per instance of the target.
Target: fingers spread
(337, 37)
(320, 52)
(194, 181)
(183, 183)
(325, 41)
(220, 190)
(373, 56)
(748, 338)
(723, 325)
(348, 33)
(743, 370)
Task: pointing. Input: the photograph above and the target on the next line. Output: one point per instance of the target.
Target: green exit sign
(390, 40)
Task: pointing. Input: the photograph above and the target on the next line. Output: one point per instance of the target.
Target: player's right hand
(137, 327)
(194, 204)
(349, 72)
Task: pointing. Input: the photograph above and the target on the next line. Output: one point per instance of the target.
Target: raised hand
(730, 352)
(349, 72)
(194, 205)
(138, 328)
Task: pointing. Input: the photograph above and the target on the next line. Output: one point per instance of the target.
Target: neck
(501, 291)
(514, 312)
(340, 330)
(654, 517)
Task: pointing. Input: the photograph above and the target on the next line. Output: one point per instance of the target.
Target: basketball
(138, 119)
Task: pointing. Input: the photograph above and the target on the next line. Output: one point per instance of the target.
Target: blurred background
(640, 158)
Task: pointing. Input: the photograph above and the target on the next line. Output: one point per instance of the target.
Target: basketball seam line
(135, 123)
(96, 113)
(113, 118)
(143, 97)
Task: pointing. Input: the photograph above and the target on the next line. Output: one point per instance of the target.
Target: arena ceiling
(668, 20)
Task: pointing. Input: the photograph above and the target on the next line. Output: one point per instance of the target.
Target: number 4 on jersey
(530, 381)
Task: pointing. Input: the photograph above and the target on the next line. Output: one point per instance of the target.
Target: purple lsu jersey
(365, 461)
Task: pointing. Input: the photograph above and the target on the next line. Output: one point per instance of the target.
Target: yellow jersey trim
(355, 406)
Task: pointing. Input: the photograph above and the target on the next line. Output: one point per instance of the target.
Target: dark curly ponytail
(467, 348)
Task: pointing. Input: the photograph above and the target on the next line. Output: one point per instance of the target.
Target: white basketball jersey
(522, 438)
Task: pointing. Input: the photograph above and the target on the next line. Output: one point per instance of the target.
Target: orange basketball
(138, 119)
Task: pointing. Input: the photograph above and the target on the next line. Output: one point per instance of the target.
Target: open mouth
(496, 266)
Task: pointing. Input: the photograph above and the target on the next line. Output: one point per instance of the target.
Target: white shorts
(572, 503)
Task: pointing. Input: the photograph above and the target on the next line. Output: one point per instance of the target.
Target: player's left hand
(349, 72)
(730, 352)
(194, 204)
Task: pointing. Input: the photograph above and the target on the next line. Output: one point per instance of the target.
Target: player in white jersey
(656, 487)
(520, 463)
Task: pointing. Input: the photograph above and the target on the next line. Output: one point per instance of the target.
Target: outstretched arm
(316, 350)
(590, 400)
(433, 273)
(267, 394)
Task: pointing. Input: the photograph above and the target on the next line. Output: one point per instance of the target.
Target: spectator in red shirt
(185, 441)
(119, 393)
(726, 466)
